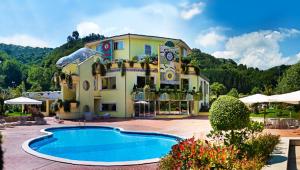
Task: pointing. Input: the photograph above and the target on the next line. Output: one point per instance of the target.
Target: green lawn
(15, 114)
(275, 113)
(171, 116)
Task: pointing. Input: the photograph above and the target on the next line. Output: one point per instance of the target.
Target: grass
(16, 114)
(171, 116)
(277, 113)
(180, 116)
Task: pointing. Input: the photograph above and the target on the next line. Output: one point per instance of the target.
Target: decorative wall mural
(168, 73)
(106, 49)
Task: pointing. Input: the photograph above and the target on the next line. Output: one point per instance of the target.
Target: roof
(22, 100)
(76, 57)
(140, 35)
(45, 95)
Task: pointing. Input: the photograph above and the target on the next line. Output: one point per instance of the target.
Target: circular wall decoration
(105, 46)
(169, 56)
(169, 75)
(86, 85)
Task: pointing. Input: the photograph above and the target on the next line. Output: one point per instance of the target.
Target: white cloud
(23, 40)
(85, 28)
(224, 54)
(259, 49)
(209, 39)
(191, 10)
(159, 19)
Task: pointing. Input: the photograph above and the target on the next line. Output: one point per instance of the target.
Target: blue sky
(253, 32)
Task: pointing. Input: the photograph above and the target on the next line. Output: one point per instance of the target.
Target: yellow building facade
(131, 75)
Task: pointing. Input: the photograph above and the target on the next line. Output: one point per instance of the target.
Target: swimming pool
(99, 145)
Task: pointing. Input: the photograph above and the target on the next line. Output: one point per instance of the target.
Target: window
(109, 107)
(147, 49)
(184, 52)
(118, 45)
(86, 85)
(108, 83)
(185, 84)
(141, 81)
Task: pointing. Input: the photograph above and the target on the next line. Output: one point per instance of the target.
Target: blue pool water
(103, 144)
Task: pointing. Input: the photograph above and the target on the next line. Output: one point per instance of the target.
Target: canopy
(22, 100)
(256, 98)
(76, 57)
(141, 102)
(292, 98)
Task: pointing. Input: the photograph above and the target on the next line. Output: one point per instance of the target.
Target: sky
(256, 33)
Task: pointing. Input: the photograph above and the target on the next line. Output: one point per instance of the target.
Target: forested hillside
(20, 72)
(233, 75)
(25, 55)
(31, 69)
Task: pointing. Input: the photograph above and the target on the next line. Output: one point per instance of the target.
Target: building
(47, 98)
(131, 75)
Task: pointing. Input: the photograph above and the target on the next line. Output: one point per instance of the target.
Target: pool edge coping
(27, 149)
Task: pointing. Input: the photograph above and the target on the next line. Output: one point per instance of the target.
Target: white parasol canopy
(292, 98)
(256, 98)
(141, 102)
(22, 100)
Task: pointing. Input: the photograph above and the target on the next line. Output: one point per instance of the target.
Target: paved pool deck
(15, 158)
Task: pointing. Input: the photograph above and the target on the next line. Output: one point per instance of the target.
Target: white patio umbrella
(22, 100)
(292, 98)
(256, 98)
(141, 102)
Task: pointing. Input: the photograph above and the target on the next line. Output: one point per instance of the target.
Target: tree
(268, 90)
(217, 89)
(70, 38)
(75, 34)
(233, 92)
(255, 90)
(41, 76)
(290, 80)
(35, 88)
(12, 72)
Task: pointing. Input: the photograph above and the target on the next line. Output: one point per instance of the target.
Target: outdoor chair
(40, 121)
(4, 124)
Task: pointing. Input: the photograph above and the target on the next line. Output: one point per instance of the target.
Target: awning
(256, 98)
(292, 98)
(22, 100)
(142, 102)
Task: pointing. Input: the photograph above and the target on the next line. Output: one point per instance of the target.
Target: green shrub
(229, 113)
(233, 92)
(262, 146)
(238, 138)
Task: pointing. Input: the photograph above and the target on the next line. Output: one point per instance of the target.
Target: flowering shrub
(199, 154)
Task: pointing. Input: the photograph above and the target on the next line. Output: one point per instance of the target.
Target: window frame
(111, 103)
(116, 47)
(147, 45)
(184, 52)
(107, 77)
(181, 84)
(136, 80)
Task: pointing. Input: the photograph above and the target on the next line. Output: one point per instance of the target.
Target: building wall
(135, 46)
(86, 96)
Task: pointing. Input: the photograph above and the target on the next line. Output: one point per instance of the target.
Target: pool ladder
(79, 123)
